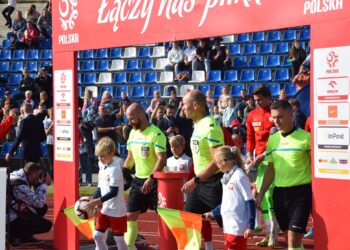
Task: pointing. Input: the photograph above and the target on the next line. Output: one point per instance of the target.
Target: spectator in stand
(19, 25)
(218, 56)
(84, 160)
(174, 100)
(210, 101)
(44, 82)
(155, 100)
(49, 5)
(228, 115)
(185, 127)
(217, 115)
(7, 102)
(30, 38)
(223, 99)
(299, 119)
(7, 123)
(27, 82)
(157, 114)
(44, 100)
(28, 98)
(49, 126)
(302, 79)
(31, 133)
(202, 59)
(41, 112)
(189, 56)
(238, 129)
(167, 124)
(175, 58)
(241, 105)
(44, 23)
(227, 61)
(297, 55)
(11, 5)
(107, 98)
(250, 106)
(282, 95)
(124, 99)
(89, 101)
(32, 14)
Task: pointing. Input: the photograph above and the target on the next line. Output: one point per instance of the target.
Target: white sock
(257, 219)
(100, 241)
(120, 242)
(274, 228)
(268, 227)
(209, 245)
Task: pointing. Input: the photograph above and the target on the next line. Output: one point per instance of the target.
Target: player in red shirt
(259, 125)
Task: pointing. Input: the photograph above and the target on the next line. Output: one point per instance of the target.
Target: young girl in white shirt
(238, 207)
(110, 195)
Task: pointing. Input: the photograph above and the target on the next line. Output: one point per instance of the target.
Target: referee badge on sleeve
(145, 151)
(195, 145)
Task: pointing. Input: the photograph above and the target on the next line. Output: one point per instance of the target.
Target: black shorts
(206, 196)
(292, 207)
(139, 201)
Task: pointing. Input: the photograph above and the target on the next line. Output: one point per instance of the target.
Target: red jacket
(5, 127)
(259, 124)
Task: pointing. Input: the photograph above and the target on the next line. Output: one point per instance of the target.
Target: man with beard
(147, 151)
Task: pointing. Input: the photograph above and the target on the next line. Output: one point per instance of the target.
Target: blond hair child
(179, 161)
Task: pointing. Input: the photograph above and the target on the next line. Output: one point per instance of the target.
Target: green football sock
(131, 234)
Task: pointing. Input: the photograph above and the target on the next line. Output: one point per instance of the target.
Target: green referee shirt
(207, 133)
(291, 158)
(144, 145)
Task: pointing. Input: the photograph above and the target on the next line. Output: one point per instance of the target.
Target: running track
(148, 228)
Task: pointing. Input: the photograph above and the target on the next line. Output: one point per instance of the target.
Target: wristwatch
(196, 180)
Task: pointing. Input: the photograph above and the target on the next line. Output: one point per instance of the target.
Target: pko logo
(68, 13)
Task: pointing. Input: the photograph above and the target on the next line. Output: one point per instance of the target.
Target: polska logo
(68, 13)
(332, 59)
(161, 200)
(145, 151)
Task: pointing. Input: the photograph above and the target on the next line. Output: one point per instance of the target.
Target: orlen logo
(68, 15)
(332, 88)
(332, 61)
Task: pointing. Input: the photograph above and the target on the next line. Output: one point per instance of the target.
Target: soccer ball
(81, 212)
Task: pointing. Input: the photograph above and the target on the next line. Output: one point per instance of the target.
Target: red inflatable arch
(94, 24)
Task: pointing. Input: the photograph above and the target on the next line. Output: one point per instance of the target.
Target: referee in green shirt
(289, 165)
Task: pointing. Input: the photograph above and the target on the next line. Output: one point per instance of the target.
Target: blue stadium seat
(138, 92)
(273, 61)
(286, 62)
(236, 90)
(135, 78)
(282, 48)
(291, 89)
(144, 52)
(264, 75)
(151, 77)
(102, 54)
(121, 89)
(217, 90)
(230, 76)
(144, 103)
(243, 38)
(304, 35)
(33, 75)
(274, 89)
(44, 150)
(147, 64)
(6, 43)
(79, 78)
(87, 54)
(265, 48)
(4, 67)
(252, 87)
(45, 64)
(204, 88)
(258, 37)
(102, 65)
(18, 54)
(32, 66)
(88, 65)
(115, 53)
(214, 76)
(45, 43)
(119, 78)
(151, 89)
(80, 91)
(282, 75)
(240, 62)
(132, 65)
(249, 49)
(2, 91)
(3, 78)
(235, 49)
(247, 75)
(46, 54)
(32, 54)
(274, 36)
(290, 35)
(15, 79)
(17, 66)
(5, 55)
(110, 89)
(256, 61)
(89, 78)
(15, 91)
